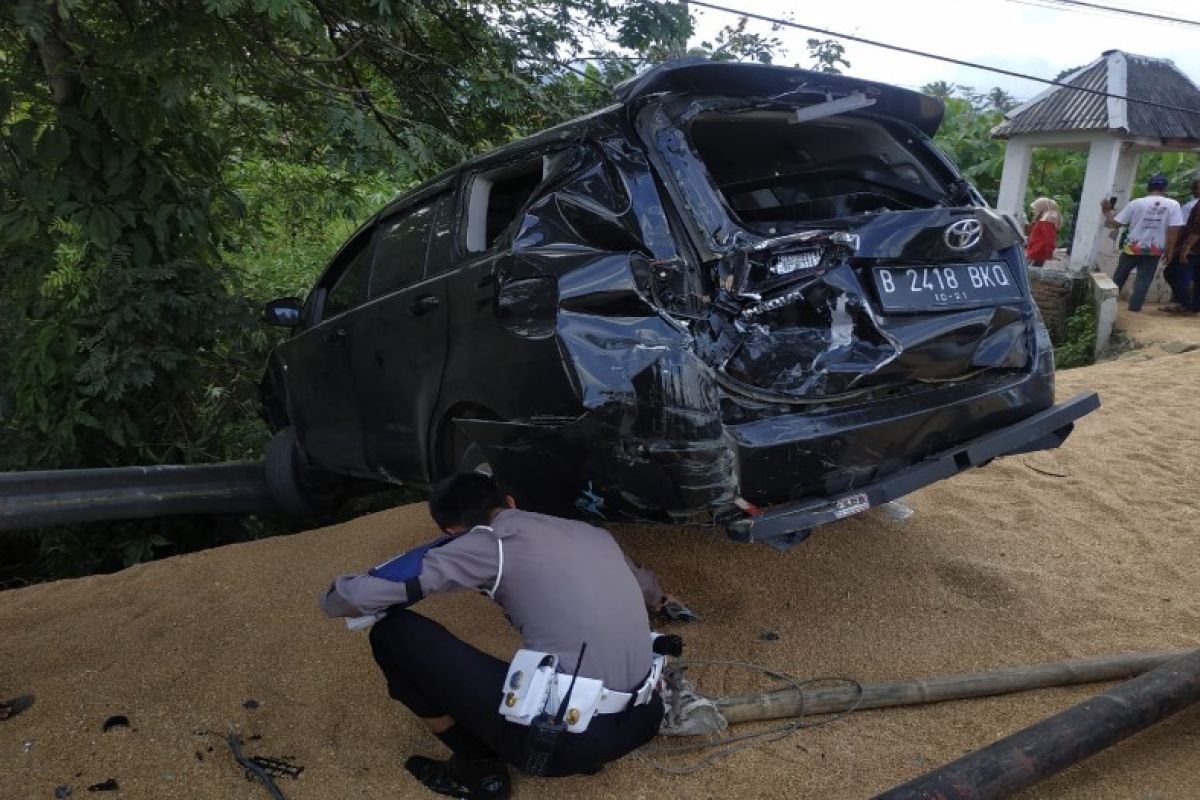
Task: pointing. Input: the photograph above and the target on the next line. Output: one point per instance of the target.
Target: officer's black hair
(467, 499)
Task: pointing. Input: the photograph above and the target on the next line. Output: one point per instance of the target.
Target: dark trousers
(1146, 266)
(435, 674)
(1184, 277)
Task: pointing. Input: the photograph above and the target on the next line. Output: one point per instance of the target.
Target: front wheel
(296, 488)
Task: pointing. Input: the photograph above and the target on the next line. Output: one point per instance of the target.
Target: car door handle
(424, 304)
(336, 335)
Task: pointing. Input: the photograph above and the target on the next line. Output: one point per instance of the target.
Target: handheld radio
(545, 730)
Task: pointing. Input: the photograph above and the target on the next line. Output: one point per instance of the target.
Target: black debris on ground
(281, 767)
(109, 785)
(116, 721)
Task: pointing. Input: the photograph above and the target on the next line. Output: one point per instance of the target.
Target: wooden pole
(789, 702)
(1016, 762)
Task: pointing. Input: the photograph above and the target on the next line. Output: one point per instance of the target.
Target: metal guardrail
(59, 497)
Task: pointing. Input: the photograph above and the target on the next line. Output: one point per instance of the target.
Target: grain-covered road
(1089, 550)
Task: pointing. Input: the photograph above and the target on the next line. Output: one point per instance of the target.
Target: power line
(1094, 10)
(1129, 11)
(787, 23)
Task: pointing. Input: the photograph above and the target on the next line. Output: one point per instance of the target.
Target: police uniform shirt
(561, 582)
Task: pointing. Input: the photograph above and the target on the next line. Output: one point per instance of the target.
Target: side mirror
(284, 312)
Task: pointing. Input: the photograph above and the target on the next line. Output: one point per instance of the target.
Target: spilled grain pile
(1088, 550)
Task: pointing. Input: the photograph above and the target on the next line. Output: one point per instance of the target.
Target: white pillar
(1106, 246)
(1018, 156)
(1127, 165)
(1103, 156)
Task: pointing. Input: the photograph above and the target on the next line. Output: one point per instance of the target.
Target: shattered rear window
(771, 169)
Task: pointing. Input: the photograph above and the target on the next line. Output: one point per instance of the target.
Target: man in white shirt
(1154, 223)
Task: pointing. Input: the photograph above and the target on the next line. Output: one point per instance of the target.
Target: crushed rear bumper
(789, 523)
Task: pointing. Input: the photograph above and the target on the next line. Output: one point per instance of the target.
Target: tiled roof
(1140, 78)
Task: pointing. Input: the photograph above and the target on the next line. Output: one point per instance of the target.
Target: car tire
(296, 489)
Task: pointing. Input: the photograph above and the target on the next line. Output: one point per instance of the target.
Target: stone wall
(1057, 293)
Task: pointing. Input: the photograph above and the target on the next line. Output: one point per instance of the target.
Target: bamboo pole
(1016, 762)
(790, 702)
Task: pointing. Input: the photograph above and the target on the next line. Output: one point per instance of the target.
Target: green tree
(828, 55)
(735, 43)
(1000, 100)
(943, 90)
(134, 132)
(965, 136)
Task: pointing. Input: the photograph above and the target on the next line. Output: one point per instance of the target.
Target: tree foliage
(168, 163)
(828, 55)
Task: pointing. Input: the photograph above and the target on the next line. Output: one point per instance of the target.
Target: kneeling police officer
(581, 692)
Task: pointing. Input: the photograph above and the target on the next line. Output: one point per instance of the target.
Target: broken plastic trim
(830, 108)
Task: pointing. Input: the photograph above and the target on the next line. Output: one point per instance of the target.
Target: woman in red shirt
(1043, 233)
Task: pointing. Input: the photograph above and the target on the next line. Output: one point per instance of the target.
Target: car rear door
(399, 363)
(323, 402)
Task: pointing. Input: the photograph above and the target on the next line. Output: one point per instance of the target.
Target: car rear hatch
(842, 253)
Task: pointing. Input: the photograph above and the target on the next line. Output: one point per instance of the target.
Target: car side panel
(322, 401)
(398, 362)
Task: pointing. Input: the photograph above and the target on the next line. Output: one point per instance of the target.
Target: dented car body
(744, 295)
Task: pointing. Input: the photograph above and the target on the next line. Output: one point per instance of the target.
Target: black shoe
(460, 777)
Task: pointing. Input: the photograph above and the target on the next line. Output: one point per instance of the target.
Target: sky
(1036, 37)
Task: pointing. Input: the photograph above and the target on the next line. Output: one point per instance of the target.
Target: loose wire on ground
(235, 744)
(733, 744)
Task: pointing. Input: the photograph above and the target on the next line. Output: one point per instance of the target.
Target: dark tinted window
(400, 255)
(441, 240)
(349, 290)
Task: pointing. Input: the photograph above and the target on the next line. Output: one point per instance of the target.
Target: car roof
(700, 76)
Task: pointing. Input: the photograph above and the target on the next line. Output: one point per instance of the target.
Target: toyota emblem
(963, 235)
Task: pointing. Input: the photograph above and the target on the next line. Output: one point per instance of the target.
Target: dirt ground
(1093, 552)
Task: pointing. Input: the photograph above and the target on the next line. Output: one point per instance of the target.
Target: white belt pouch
(534, 685)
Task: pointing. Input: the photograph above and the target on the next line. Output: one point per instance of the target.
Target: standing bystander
(1154, 222)
(1182, 263)
(1043, 231)
(1189, 258)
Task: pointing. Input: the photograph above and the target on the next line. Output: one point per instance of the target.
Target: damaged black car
(743, 295)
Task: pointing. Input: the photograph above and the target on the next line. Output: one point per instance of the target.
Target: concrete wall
(1057, 293)
(1104, 303)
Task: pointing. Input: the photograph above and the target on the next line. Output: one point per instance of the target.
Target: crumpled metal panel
(702, 379)
(582, 270)
(814, 335)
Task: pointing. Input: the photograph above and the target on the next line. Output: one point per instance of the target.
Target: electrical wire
(786, 23)
(1094, 10)
(1080, 4)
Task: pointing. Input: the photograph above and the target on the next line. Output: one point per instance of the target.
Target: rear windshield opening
(770, 169)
